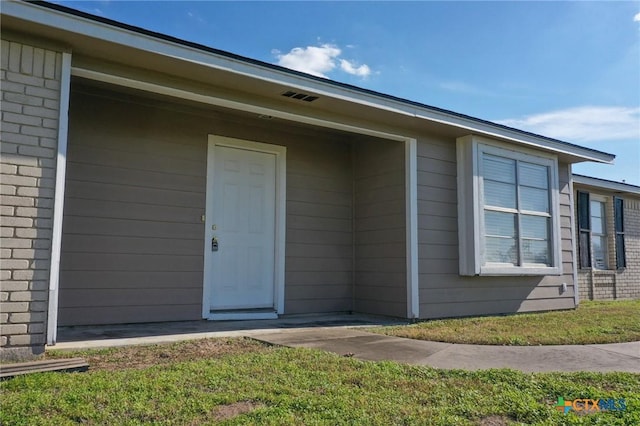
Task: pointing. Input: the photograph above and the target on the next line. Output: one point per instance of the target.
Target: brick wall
(30, 105)
(615, 284)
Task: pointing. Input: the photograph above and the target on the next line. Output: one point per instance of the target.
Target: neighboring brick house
(608, 236)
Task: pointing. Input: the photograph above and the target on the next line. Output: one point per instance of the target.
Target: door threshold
(242, 314)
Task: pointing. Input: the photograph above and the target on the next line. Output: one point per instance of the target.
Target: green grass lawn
(240, 381)
(591, 322)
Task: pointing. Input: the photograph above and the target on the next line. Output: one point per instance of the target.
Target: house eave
(608, 185)
(46, 18)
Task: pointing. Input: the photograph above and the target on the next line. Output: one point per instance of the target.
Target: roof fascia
(87, 27)
(606, 184)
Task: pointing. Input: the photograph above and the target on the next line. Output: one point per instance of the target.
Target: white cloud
(580, 124)
(636, 18)
(311, 59)
(319, 61)
(349, 68)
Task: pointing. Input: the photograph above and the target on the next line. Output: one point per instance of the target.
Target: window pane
(533, 175)
(596, 225)
(501, 250)
(534, 251)
(599, 252)
(534, 227)
(597, 209)
(499, 194)
(597, 217)
(499, 169)
(534, 199)
(500, 224)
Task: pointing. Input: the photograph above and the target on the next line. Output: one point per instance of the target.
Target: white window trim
(471, 209)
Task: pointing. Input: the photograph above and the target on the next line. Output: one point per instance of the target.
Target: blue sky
(569, 70)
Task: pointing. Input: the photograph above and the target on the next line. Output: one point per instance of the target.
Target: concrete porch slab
(99, 336)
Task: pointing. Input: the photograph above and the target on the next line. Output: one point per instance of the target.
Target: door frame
(280, 226)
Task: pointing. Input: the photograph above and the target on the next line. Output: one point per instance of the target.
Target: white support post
(58, 206)
(411, 182)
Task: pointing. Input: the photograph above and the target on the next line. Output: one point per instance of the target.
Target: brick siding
(614, 284)
(30, 108)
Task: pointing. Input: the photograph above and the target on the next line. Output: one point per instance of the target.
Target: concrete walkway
(344, 335)
(375, 347)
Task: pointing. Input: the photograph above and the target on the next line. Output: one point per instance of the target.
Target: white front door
(242, 225)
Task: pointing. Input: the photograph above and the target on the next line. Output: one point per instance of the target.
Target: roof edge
(274, 73)
(606, 184)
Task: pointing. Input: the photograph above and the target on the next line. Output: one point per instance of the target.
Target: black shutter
(621, 258)
(584, 229)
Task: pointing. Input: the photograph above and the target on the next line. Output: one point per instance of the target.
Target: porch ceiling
(156, 100)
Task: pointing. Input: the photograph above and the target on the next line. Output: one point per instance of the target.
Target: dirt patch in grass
(495, 421)
(229, 411)
(139, 357)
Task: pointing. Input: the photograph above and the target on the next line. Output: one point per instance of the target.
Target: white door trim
(280, 226)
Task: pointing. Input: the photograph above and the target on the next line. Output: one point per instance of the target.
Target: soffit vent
(300, 96)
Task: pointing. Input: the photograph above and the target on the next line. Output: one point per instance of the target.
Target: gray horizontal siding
(132, 231)
(132, 211)
(380, 250)
(130, 262)
(78, 243)
(443, 292)
(74, 224)
(105, 297)
(319, 257)
(317, 278)
(83, 279)
(132, 193)
(121, 314)
(494, 307)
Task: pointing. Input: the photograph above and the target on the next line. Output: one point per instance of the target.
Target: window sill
(515, 271)
(602, 271)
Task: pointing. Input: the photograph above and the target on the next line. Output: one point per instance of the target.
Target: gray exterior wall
(132, 233)
(30, 109)
(319, 240)
(380, 232)
(443, 292)
(613, 283)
